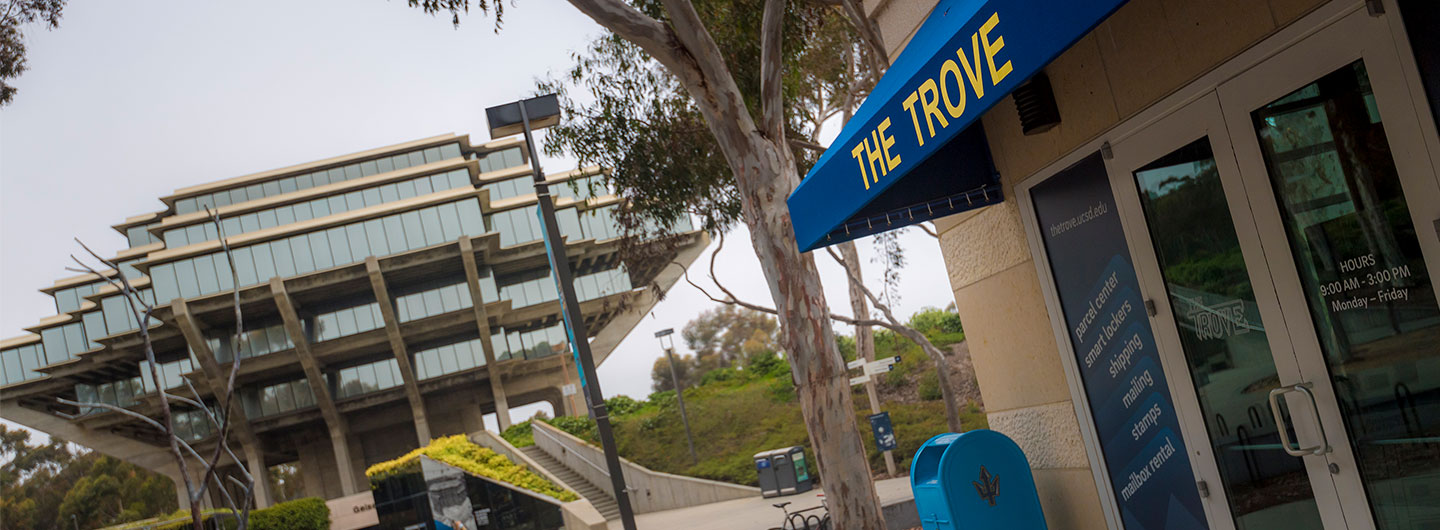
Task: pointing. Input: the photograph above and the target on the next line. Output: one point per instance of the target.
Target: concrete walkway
(755, 513)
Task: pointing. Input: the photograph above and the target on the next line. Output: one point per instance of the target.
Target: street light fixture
(664, 334)
(522, 117)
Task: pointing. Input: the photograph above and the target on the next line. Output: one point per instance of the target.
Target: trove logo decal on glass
(988, 486)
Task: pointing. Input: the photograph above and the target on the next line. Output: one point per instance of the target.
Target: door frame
(1202, 119)
(1307, 25)
(1358, 36)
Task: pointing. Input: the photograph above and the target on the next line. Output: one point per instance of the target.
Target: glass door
(1219, 322)
(1345, 200)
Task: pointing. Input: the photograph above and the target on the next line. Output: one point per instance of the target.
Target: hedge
(309, 513)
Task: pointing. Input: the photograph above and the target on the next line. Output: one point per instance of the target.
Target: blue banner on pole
(553, 249)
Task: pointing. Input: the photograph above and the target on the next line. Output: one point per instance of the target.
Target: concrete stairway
(602, 501)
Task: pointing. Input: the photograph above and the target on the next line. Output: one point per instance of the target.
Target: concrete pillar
(482, 323)
(340, 444)
(182, 496)
(557, 402)
(255, 464)
(397, 347)
(355, 450)
(472, 417)
(216, 376)
(312, 474)
(313, 374)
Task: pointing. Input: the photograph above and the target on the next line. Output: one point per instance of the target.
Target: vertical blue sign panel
(552, 250)
(883, 431)
(1119, 366)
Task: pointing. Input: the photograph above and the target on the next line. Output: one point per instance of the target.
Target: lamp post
(522, 117)
(664, 334)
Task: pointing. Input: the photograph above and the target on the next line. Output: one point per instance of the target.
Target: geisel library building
(1193, 243)
(389, 297)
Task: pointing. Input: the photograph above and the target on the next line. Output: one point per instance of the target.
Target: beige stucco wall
(1146, 50)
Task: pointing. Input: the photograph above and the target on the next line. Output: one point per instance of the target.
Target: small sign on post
(871, 368)
(568, 389)
(883, 431)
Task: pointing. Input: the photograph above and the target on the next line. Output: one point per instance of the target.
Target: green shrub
(929, 386)
(622, 405)
(520, 434)
(720, 375)
(942, 339)
(579, 427)
(846, 345)
(663, 399)
(309, 513)
(932, 319)
(781, 390)
(766, 364)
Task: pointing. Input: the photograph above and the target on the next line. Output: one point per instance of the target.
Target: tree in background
(932, 320)
(731, 333)
(687, 370)
(13, 15)
(285, 483)
(60, 485)
(722, 337)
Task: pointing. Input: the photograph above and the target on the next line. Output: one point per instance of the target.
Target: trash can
(957, 477)
(769, 487)
(783, 472)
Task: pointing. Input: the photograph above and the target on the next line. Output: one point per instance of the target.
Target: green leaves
(625, 112)
(455, 8)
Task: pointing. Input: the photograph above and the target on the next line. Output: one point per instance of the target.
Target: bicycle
(802, 520)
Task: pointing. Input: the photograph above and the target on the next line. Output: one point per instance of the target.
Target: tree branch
(869, 33)
(142, 319)
(885, 309)
(808, 145)
(235, 342)
(112, 408)
(731, 299)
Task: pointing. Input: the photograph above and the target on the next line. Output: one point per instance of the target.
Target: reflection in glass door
(1365, 282)
(1223, 337)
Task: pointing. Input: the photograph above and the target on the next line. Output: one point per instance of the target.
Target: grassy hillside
(737, 412)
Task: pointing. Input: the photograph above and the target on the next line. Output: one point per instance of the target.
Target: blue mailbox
(974, 480)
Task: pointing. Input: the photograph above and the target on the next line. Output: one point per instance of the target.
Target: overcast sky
(129, 101)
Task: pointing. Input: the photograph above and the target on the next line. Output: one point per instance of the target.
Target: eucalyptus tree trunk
(765, 174)
(807, 334)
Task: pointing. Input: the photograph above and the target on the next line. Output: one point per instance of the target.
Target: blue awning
(915, 150)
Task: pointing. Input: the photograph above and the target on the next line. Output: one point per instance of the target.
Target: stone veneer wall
(1146, 50)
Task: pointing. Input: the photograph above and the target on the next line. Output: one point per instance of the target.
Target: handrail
(577, 454)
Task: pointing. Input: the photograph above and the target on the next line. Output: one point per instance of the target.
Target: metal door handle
(1280, 427)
